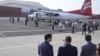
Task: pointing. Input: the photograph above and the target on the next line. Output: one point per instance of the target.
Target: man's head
(48, 37)
(68, 40)
(88, 38)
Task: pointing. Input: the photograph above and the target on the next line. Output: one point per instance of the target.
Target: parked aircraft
(84, 13)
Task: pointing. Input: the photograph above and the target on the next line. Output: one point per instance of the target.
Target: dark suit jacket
(88, 50)
(45, 49)
(67, 50)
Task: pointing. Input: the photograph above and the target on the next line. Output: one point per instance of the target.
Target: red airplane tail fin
(87, 8)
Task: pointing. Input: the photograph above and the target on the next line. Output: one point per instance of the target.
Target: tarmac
(20, 40)
(28, 45)
(8, 29)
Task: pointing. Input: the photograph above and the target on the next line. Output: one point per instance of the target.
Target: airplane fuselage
(62, 16)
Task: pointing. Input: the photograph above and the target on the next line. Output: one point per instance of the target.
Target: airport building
(6, 11)
(26, 6)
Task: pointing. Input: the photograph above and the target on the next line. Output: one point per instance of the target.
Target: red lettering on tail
(86, 8)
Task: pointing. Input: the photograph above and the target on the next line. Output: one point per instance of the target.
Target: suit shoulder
(90, 44)
(61, 47)
(73, 46)
(94, 44)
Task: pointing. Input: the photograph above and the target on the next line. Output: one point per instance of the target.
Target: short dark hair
(47, 36)
(68, 39)
(88, 38)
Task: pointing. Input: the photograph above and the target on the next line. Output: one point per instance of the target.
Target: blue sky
(68, 5)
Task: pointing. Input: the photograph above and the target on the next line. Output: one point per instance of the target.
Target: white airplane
(84, 13)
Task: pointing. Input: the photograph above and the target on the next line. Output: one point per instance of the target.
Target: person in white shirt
(66, 24)
(73, 26)
(60, 26)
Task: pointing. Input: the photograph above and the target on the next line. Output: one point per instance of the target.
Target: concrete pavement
(28, 45)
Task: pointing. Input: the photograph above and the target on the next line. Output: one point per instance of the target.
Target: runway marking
(24, 30)
(16, 46)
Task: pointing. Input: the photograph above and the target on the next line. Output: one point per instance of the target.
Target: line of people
(62, 24)
(90, 27)
(46, 49)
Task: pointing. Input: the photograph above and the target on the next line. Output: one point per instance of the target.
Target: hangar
(26, 6)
